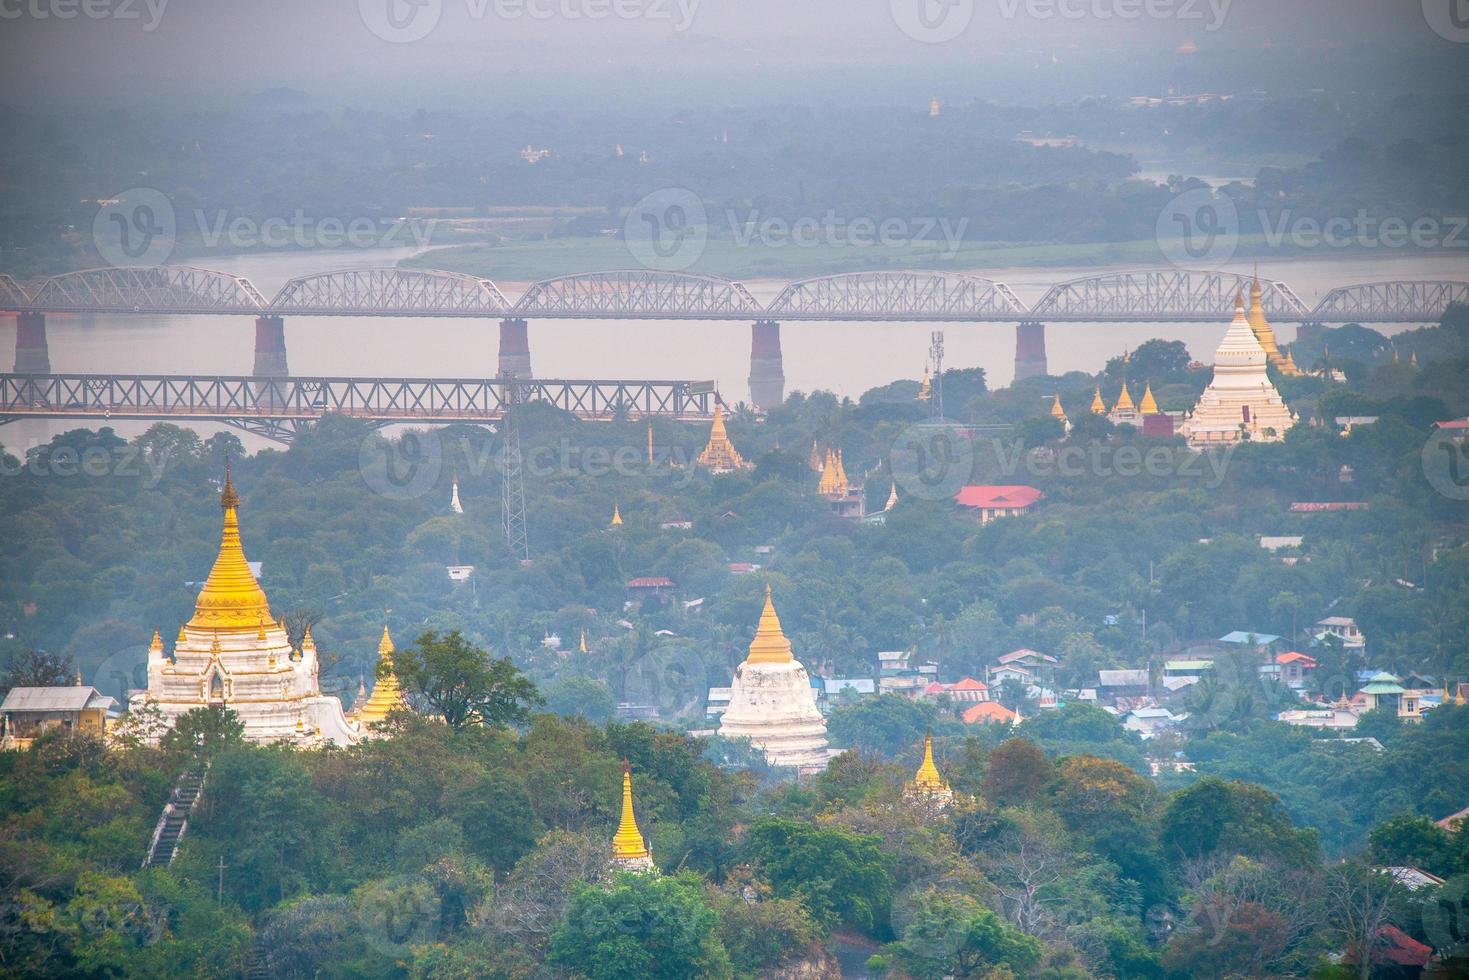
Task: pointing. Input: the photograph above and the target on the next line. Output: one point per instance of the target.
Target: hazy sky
(103, 51)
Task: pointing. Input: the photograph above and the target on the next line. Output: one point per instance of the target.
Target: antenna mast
(512, 482)
(936, 354)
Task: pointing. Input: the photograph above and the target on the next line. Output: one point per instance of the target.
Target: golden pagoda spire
(231, 598)
(157, 645)
(720, 454)
(628, 844)
(927, 777)
(1124, 401)
(582, 646)
(892, 498)
(386, 695)
(1149, 405)
(1413, 357)
(1099, 407)
(842, 472)
(925, 390)
(814, 460)
(1057, 412)
(616, 514)
(770, 645)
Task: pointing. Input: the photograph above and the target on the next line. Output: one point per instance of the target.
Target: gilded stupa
(1124, 409)
(834, 482)
(234, 653)
(1241, 401)
(1149, 404)
(771, 701)
(1057, 412)
(928, 787)
(720, 455)
(616, 514)
(925, 389)
(1265, 334)
(1098, 406)
(386, 695)
(629, 849)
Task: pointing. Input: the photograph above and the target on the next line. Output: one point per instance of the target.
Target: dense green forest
(477, 848)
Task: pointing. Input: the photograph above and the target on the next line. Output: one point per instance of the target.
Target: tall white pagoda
(233, 653)
(1241, 402)
(772, 703)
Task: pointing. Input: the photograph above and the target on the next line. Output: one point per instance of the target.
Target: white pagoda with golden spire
(928, 787)
(1241, 401)
(629, 849)
(771, 701)
(233, 653)
(720, 455)
(386, 696)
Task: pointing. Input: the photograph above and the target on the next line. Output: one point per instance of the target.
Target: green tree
(205, 732)
(642, 926)
(841, 876)
(950, 934)
(1017, 772)
(462, 684)
(1214, 816)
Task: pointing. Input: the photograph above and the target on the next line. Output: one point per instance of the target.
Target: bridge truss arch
(640, 293)
(1163, 295)
(389, 292)
(897, 296)
(13, 296)
(1399, 301)
(154, 289)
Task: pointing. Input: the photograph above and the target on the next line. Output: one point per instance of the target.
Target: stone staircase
(174, 819)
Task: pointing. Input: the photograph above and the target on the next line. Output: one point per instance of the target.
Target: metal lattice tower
(936, 354)
(512, 482)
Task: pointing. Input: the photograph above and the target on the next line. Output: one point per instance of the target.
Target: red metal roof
(987, 711)
(1292, 656)
(997, 496)
(1455, 424)
(969, 684)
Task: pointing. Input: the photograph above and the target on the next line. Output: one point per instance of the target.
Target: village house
(29, 712)
(1344, 628)
(990, 502)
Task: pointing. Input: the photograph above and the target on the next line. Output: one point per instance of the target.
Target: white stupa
(1241, 401)
(772, 703)
(234, 654)
(454, 504)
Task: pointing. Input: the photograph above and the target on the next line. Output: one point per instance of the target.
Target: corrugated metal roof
(52, 699)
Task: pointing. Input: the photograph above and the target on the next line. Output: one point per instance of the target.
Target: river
(847, 358)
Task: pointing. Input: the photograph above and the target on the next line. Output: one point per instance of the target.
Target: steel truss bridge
(1158, 295)
(278, 407)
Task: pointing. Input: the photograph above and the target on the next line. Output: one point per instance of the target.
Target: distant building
(1148, 722)
(990, 502)
(1241, 402)
(651, 585)
(1294, 667)
(1126, 683)
(1344, 628)
(30, 712)
(988, 713)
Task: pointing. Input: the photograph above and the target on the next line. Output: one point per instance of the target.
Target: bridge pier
(31, 353)
(767, 367)
(1030, 350)
(514, 349)
(270, 347)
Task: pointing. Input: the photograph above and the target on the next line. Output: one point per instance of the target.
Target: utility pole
(512, 483)
(936, 354)
(219, 894)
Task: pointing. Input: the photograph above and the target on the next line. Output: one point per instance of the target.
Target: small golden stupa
(629, 849)
(720, 455)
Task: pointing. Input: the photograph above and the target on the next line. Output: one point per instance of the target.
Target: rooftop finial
(228, 499)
